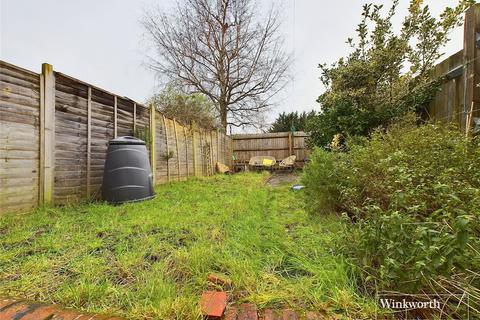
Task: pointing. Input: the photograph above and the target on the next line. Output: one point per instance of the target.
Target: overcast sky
(101, 41)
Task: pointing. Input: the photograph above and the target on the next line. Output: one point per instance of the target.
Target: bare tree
(224, 50)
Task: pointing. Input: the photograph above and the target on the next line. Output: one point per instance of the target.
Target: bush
(322, 181)
(387, 73)
(413, 194)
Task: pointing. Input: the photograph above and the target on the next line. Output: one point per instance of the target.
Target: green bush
(388, 72)
(413, 197)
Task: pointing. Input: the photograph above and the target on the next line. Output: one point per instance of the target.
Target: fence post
(167, 155)
(152, 143)
(115, 125)
(194, 150)
(186, 149)
(202, 156)
(471, 54)
(231, 151)
(218, 147)
(227, 161)
(47, 134)
(212, 161)
(176, 145)
(89, 139)
(134, 118)
(290, 143)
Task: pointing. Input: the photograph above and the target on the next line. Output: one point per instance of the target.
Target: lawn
(151, 260)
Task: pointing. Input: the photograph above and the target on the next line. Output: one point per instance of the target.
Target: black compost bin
(127, 175)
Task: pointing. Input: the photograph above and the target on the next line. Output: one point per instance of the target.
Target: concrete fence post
(47, 134)
(167, 147)
(89, 140)
(153, 126)
(176, 147)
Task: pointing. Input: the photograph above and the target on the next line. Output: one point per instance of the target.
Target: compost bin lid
(128, 140)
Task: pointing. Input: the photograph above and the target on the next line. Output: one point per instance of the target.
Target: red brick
(247, 312)
(268, 315)
(271, 315)
(289, 314)
(40, 313)
(213, 303)
(11, 309)
(231, 314)
(68, 315)
(9, 312)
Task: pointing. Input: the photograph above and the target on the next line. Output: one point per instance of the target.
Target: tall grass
(150, 260)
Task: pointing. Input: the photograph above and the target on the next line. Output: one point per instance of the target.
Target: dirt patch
(278, 179)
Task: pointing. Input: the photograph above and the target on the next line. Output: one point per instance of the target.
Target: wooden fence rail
(54, 133)
(279, 145)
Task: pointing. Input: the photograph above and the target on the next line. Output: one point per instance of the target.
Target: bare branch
(224, 50)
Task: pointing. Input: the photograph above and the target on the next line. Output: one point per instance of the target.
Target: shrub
(322, 181)
(387, 73)
(413, 194)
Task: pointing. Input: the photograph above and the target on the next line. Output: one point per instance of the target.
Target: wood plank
(19, 81)
(8, 67)
(7, 89)
(31, 111)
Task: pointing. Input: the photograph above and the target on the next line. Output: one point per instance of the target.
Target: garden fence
(459, 94)
(278, 145)
(54, 133)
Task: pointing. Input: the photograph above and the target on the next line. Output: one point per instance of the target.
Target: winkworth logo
(424, 306)
(404, 304)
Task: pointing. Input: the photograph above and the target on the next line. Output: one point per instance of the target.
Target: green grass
(151, 259)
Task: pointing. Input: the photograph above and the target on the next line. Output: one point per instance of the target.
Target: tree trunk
(223, 114)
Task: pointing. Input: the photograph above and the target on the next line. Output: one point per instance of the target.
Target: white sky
(101, 41)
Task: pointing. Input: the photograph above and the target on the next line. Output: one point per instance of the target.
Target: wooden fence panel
(459, 94)
(70, 140)
(213, 143)
(182, 156)
(19, 138)
(299, 144)
(161, 147)
(223, 149)
(198, 152)
(125, 117)
(102, 131)
(203, 152)
(448, 104)
(278, 145)
(188, 150)
(173, 156)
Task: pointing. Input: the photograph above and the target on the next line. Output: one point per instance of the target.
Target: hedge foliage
(412, 200)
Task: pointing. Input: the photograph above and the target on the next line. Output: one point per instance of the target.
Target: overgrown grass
(150, 260)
